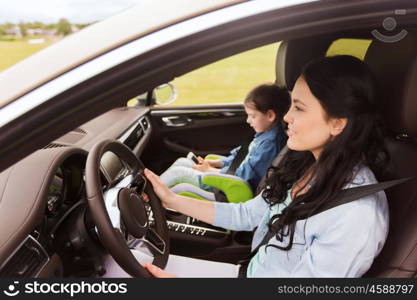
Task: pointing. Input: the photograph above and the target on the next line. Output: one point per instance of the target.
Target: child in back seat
(265, 106)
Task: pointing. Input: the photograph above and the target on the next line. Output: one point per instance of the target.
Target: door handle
(176, 121)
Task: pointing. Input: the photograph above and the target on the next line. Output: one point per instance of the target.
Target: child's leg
(183, 162)
(179, 174)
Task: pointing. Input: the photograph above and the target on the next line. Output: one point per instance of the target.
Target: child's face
(309, 127)
(259, 121)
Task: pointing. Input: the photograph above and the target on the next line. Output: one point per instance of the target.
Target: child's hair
(345, 88)
(269, 96)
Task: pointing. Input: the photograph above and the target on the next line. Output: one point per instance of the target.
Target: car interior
(54, 232)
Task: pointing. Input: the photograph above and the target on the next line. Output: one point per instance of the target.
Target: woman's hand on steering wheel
(166, 196)
(157, 272)
(131, 224)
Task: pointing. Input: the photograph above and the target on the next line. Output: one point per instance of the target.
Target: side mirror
(140, 100)
(165, 94)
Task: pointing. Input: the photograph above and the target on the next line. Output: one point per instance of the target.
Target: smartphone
(192, 156)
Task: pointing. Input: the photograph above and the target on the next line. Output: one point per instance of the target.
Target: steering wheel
(130, 219)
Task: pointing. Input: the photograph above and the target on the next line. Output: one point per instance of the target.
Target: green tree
(81, 26)
(2, 30)
(35, 25)
(50, 26)
(23, 29)
(8, 25)
(64, 27)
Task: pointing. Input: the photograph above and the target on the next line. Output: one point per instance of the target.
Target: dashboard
(43, 210)
(55, 196)
(47, 229)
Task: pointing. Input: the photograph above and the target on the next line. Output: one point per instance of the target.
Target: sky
(50, 11)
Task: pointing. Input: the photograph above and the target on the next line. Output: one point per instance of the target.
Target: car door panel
(202, 130)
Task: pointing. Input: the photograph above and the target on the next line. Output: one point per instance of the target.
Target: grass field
(13, 51)
(224, 81)
(230, 79)
(227, 80)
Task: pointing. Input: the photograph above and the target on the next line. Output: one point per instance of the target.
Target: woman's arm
(242, 216)
(201, 210)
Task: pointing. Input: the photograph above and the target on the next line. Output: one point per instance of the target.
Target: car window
(230, 79)
(354, 47)
(227, 80)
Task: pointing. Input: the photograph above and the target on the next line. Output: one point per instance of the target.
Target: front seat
(395, 68)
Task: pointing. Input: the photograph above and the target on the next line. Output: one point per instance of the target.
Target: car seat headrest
(294, 54)
(395, 68)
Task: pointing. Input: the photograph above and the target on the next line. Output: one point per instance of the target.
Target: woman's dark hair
(269, 96)
(345, 88)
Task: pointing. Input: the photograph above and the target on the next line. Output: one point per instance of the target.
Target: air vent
(80, 130)
(54, 145)
(144, 123)
(27, 261)
(134, 137)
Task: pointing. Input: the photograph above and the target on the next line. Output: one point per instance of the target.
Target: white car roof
(97, 39)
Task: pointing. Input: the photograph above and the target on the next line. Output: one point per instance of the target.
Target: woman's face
(309, 128)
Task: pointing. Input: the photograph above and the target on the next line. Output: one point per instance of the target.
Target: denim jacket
(262, 150)
(340, 242)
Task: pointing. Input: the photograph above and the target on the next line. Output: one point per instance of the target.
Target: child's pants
(181, 171)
